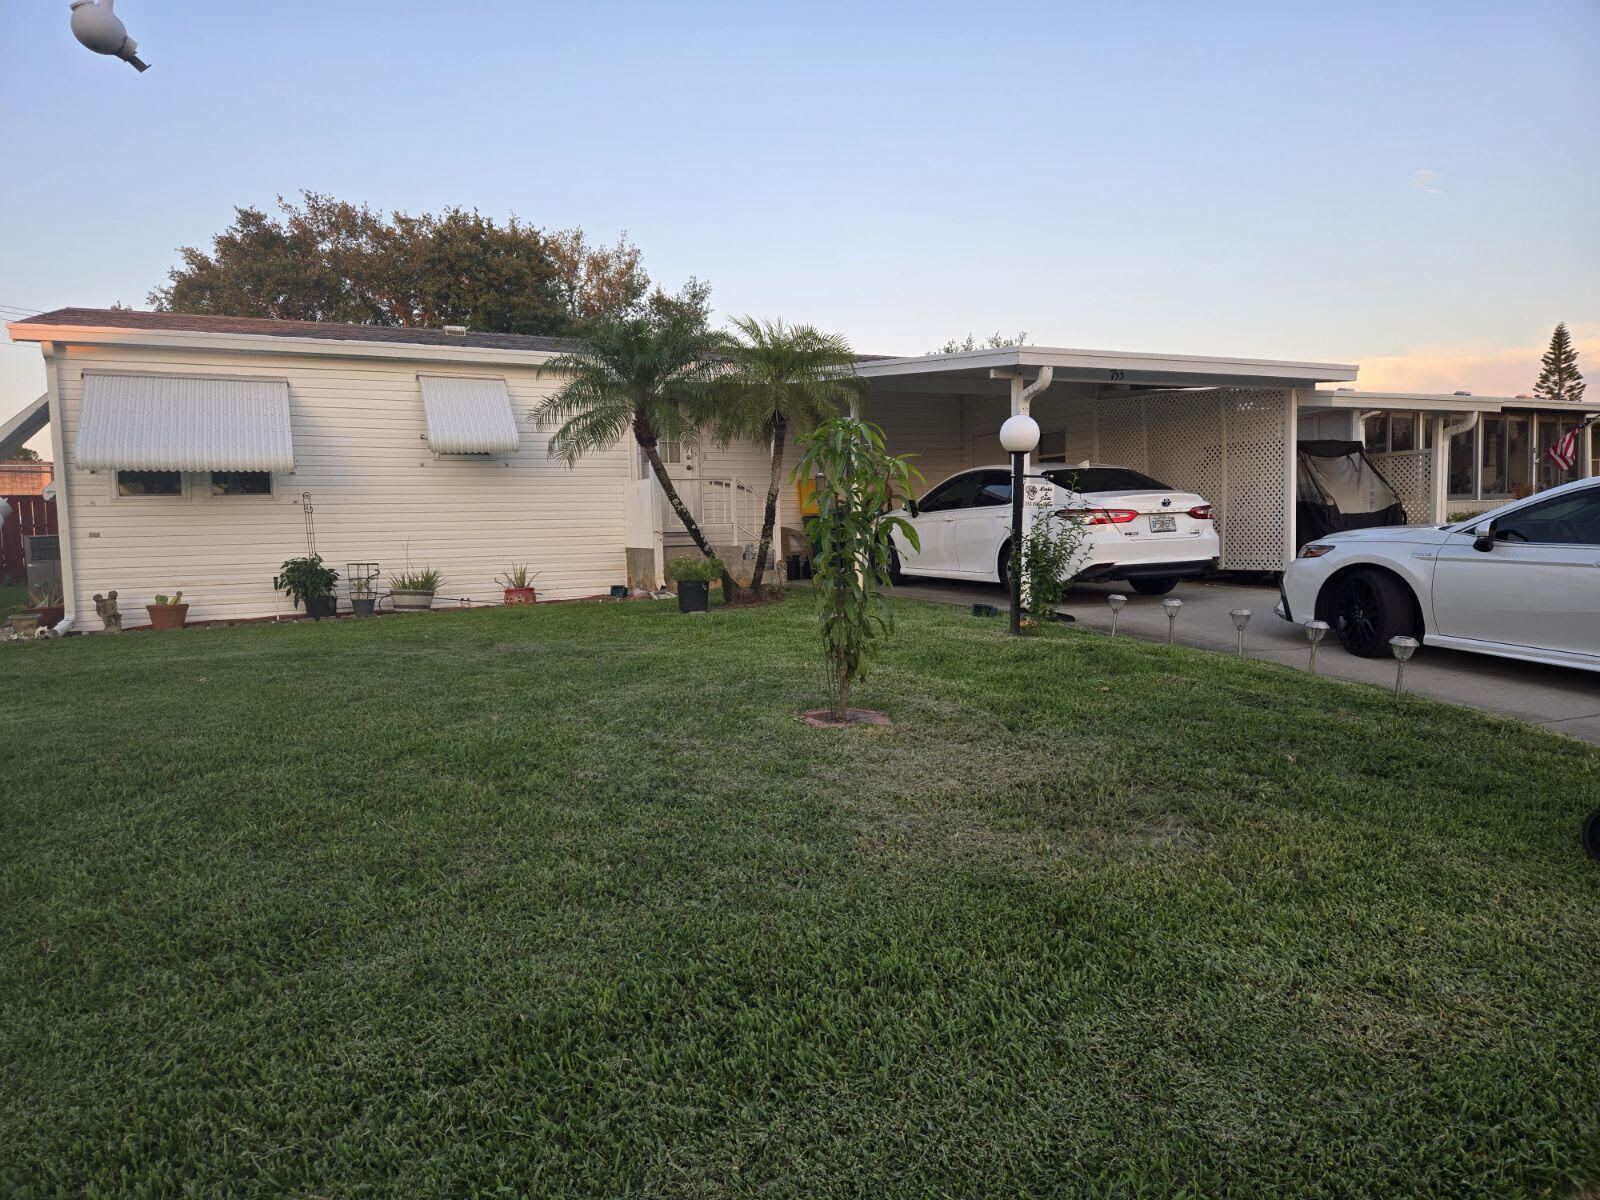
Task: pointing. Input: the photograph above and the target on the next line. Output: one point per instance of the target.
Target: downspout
(58, 451)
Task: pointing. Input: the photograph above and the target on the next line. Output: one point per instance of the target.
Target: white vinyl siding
(378, 494)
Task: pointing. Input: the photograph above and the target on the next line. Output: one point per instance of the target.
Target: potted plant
(693, 575)
(412, 591)
(310, 583)
(363, 594)
(46, 606)
(168, 612)
(518, 584)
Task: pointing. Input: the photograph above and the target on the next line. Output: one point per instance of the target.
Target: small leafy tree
(780, 377)
(1053, 543)
(1559, 377)
(858, 481)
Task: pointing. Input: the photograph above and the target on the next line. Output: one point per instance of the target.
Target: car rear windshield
(1102, 479)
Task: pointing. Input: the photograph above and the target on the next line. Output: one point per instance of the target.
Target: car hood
(1430, 535)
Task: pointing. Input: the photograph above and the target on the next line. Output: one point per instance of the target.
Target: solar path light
(1402, 648)
(1241, 618)
(1172, 607)
(1315, 632)
(1116, 601)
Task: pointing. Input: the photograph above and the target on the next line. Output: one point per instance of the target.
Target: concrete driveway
(1558, 698)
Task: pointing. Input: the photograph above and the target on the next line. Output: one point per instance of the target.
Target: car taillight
(1201, 512)
(1098, 516)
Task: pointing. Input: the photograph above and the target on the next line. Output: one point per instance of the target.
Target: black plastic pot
(362, 606)
(694, 595)
(318, 607)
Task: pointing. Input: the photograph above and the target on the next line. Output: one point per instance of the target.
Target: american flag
(1565, 452)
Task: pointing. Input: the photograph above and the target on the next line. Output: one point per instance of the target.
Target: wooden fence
(30, 515)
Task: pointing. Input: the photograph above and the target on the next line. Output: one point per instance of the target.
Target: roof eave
(264, 343)
(1111, 365)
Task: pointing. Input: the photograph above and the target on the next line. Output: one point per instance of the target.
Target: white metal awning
(184, 423)
(468, 415)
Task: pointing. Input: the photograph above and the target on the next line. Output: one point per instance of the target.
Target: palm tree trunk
(653, 453)
(779, 430)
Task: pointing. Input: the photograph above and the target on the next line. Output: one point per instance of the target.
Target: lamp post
(1116, 601)
(1018, 436)
(1314, 634)
(1241, 618)
(1402, 648)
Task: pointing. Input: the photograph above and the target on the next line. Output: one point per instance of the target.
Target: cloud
(1427, 181)
(1485, 370)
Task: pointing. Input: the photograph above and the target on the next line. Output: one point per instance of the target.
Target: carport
(1226, 428)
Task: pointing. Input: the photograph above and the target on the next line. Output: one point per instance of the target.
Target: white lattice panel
(1257, 529)
(1410, 472)
(1227, 444)
(1122, 432)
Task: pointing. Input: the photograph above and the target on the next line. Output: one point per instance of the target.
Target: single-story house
(198, 453)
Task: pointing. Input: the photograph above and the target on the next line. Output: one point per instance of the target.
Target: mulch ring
(822, 718)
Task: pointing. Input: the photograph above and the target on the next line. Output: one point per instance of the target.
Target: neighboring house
(21, 477)
(187, 447)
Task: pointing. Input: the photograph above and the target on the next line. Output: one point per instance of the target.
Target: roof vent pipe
(101, 30)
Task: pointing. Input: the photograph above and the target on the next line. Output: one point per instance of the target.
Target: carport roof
(1136, 369)
(1434, 401)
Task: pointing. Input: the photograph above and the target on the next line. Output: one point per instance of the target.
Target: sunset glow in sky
(1414, 187)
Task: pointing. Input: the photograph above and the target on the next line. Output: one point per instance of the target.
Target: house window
(149, 483)
(1375, 433)
(241, 483)
(1403, 431)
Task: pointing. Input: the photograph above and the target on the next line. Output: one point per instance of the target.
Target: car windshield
(1102, 479)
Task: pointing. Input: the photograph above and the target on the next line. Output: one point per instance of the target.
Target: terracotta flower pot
(524, 595)
(167, 616)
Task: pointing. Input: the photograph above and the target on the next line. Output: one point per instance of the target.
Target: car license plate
(1163, 523)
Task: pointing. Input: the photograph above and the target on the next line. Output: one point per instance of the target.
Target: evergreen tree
(1559, 378)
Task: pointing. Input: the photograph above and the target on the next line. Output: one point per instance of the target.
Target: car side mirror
(913, 509)
(1483, 536)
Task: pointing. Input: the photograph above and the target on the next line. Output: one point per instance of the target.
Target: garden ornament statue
(1315, 631)
(105, 607)
(1116, 601)
(1402, 648)
(1172, 607)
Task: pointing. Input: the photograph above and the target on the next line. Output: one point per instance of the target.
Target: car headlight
(1315, 549)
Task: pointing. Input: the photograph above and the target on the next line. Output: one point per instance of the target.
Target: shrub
(1052, 544)
(305, 578)
(695, 568)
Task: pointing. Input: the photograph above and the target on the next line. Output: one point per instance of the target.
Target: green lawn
(566, 901)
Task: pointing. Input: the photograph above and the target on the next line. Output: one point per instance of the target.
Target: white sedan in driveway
(1138, 529)
(1521, 581)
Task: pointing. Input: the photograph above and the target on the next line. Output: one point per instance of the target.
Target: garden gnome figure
(105, 608)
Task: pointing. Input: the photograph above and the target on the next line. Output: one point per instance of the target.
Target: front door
(1540, 584)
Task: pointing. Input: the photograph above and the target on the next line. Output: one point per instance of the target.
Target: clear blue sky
(1337, 181)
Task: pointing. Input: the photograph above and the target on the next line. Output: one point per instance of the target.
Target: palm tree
(780, 377)
(647, 375)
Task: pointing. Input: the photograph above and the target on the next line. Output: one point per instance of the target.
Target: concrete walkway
(1558, 698)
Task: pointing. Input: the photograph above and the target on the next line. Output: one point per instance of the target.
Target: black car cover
(1339, 488)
